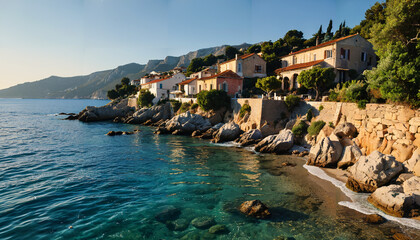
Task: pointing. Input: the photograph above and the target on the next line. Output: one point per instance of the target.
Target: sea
(62, 179)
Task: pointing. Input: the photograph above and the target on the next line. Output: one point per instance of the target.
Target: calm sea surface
(68, 180)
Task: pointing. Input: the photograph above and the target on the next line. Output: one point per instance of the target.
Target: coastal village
(372, 145)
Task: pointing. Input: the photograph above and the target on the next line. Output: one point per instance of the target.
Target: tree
(145, 98)
(319, 34)
(328, 35)
(213, 100)
(294, 38)
(317, 78)
(268, 84)
(256, 48)
(209, 60)
(374, 15)
(112, 94)
(125, 81)
(231, 52)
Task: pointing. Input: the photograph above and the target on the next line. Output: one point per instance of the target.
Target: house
(179, 70)
(135, 82)
(207, 72)
(161, 88)
(188, 87)
(227, 81)
(342, 54)
(247, 66)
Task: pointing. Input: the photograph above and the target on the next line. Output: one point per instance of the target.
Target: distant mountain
(95, 85)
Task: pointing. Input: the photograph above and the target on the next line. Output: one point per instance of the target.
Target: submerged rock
(219, 229)
(203, 222)
(373, 171)
(374, 219)
(169, 213)
(279, 143)
(178, 225)
(255, 208)
(325, 153)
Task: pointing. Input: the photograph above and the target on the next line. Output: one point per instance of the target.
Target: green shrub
(356, 91)
(315, 127)
(244, 109)
(300, 129)
(320, 108)
(309, 115)
(145, 98)
(185, 107)
(175, 105)
(213, 100)
(331, 124)
(194, 106)
(362, 104)
(292, 101)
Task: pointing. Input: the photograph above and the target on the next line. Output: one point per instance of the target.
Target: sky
(77, 37)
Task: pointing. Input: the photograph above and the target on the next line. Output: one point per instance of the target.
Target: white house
(161, 88)
(188, 87)
(135, 82)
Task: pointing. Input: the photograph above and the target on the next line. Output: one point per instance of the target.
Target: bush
(244, 109)
(185, 107)
(362, 104)
(331, 125)
(309, 115)
(145, 98)
(175, 105)
(315, 127)
(213, 100)
(122, 90)
(320, 108)
(194, 106)
(300, 129)
(292, 101)
(356, 91)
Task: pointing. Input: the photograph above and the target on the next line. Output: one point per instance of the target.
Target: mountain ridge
(96, 84)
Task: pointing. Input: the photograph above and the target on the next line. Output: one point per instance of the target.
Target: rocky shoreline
(394, 185)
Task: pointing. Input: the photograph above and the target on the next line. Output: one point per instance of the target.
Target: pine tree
(319, 34)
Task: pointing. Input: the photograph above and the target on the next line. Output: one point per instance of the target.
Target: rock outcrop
(228, 132)
(350, 156)
(250, 137)
(187, 123)
(154, 114)
(372, 172)
(107, 112)
(325, 153)
(345, 130)
(411, 163)
(254, 208)
(279, 143)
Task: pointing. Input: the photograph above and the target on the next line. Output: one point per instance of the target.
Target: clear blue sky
(73, 37)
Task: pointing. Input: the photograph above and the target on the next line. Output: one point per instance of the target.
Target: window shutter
(325, 54)
(348, 54)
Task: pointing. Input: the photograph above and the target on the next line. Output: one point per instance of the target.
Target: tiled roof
(157, 80)
(321, 45)
(298, 66)
(240, 57)
(187, 81)
(225, 74)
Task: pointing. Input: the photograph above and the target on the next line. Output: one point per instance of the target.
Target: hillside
(95, 85)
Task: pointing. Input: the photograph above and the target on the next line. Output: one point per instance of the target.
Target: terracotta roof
(225, 74)
(187, 81)
(321, 45)
(240, 57)
(298, 66)
(157, 80)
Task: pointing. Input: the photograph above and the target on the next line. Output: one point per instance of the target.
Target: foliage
(185, 106)
(194, 106)
(356, 90)
(300, 129)
(122, 90)
(294, 38)
(213, 100)
(145, 98)
(309, 115)
(331, 125)
(231, 52)
(362, 104)
(256, 48)
(317, 78)
(244, 109)
(268, 84)
(396, 40)
(249, 88)
(198, 64)
(320, 108)
(374, 15)
(315, 127)
(175, 105)
(291, 102)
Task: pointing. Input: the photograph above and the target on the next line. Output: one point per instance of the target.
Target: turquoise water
(68, 180)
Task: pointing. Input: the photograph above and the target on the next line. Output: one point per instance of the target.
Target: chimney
(317, 41)
(236, 56)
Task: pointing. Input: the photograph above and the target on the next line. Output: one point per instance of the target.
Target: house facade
(188, 87)
(210, 71)
(228, 81)
(248, 66)
(344, 54)
(161, 88)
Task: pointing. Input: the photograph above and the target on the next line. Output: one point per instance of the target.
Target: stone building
(248, 66)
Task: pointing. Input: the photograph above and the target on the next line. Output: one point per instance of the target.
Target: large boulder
(188, 123)
(250, 137)
(412, 188)
(229, 132)
(107, 112)
(279, 143)
(411, 163)
(373, 171)
(416, 169)
(154, 114)
(345, 130)
(392, 200)
(254, 208)
(325, 153)
(350, 155)
(326, 131)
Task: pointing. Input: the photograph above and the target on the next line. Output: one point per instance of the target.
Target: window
(327, 53)
(239, 67)
(284, 64)
(205, 86)
(160, 86)
(225, 87)
(345, 54)
(199, 88)
(211, 86)
(258, 69)
(294, 60)
(220, 86)
(363, 57)
(314, 57)
(370, 61)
